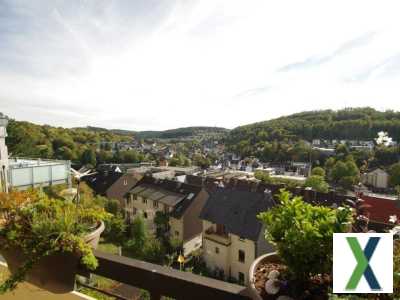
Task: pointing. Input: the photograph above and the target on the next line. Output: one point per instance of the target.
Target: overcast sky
(150, 64)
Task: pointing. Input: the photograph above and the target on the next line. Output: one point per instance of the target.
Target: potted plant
(43, 240)
(302, 234)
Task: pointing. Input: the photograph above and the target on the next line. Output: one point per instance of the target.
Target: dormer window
(221, 229)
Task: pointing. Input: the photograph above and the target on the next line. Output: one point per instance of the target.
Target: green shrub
(317, 183)
(396, 268)
(318, 171)
(41, 226)
(303, 234)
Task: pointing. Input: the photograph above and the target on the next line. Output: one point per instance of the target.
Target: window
(145, 215)
(216, 250)
(241, 278)
(241, 256)
(177, 233)
(125, 181)
(155, 204)
(220, 229)
(144, 200)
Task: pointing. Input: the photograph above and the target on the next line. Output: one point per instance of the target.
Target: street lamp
(181, 261)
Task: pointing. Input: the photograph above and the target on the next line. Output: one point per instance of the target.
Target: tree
(339, 170)
(89, 157)
(303, 234)
(142, 245)
(161, 220)
(317, 183)
(394, 173)
(345, 173)
(115, 231)
(318, 171)
(138, 239)
(263, 176)
(112, 206)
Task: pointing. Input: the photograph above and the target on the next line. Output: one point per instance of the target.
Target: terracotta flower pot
(267, 258)
(54, 273)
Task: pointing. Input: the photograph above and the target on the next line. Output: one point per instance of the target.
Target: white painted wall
(3, 154)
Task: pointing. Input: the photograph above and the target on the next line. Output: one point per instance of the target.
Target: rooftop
(172, 193)
(17, 162)
(237, 210)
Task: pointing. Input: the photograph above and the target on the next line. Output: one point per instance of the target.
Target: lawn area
(108, 247)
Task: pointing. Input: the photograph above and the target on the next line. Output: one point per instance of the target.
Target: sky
(153, 65)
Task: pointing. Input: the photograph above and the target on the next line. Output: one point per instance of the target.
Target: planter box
(56, 272)
(270, 257)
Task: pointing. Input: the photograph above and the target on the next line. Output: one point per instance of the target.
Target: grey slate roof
(237, 210)
(158, 194)
(172, 193)
(102, 181)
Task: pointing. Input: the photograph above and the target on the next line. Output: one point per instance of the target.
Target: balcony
(163, 281)
(28, 291)
(159, 281)
(220, 238)
(31, 172)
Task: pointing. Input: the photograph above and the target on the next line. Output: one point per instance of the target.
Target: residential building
(3, 154)
(156, 172)
(113, 185)
(23, 173)
(377, 178)
(181, 202)
(232, 235)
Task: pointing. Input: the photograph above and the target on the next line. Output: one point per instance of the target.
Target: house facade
(377, 178)
(23, 173)
(3, 154)
(122, 185)
(232, 235)
(181, 202)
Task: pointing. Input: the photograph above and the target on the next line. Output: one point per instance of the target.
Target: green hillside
(32, 140)
(350, 123)
(186, 132)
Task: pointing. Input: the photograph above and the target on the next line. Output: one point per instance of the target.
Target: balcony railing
(220, 238)
(163, 281)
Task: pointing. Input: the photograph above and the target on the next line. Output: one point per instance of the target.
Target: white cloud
(164, 64)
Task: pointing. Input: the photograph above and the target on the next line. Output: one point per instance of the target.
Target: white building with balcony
(23, 173)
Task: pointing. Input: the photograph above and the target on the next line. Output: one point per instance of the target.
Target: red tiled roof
(381, 208)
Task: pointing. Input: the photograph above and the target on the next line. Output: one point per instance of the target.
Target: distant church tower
(3, 154)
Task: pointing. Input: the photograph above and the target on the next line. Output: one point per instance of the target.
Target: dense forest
(92, 145)
(186, 132)
(350, 123)
(284, 140)
(76, 144)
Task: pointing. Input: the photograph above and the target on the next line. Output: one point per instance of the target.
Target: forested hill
(78, 144)
(199, 132)
(28, 139)
(350, 123)
(186, 132)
